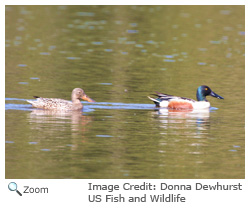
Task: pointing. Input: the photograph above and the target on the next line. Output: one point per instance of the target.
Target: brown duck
(60, 104)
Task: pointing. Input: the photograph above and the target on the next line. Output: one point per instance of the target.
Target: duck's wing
(49, 103)
(167, 97)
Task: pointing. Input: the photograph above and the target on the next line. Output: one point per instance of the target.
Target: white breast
(201, 105)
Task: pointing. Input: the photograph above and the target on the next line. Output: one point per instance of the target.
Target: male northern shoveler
(174, 102)
(60, 104)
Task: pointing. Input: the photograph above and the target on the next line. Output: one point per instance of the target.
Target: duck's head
(204, 91)
(78, 93)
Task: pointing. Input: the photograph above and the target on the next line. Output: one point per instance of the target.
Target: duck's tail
(157, 102)
(32, 102)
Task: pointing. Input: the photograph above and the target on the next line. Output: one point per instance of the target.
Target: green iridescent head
(204, 91)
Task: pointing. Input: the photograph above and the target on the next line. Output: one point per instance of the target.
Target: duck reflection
(62, 124)
(190, 119)
(183, 133)
(56, 116)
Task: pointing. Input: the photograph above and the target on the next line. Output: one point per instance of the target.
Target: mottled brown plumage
(60, 104)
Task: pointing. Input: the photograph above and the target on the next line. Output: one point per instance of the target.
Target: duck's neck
(199, 95)
(75, 100)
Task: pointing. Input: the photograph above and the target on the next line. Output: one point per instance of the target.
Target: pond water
(119, 55)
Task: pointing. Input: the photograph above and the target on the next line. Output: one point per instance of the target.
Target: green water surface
(122, 54)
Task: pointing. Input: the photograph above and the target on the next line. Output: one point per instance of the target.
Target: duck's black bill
(216, 95)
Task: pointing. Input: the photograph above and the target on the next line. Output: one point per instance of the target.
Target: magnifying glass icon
(13, 187)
